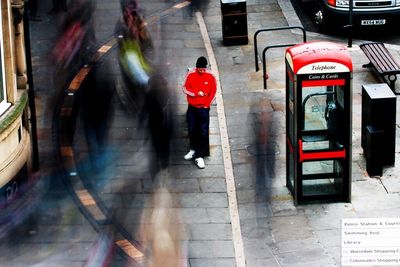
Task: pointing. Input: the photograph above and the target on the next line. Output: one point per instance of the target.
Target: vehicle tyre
(320, 18)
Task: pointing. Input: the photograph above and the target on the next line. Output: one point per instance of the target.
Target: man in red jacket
(200, 87)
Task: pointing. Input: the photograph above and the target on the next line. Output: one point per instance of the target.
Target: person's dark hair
(130, 5)
(201, 62)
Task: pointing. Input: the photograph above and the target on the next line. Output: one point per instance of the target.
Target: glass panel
(291, 171)
(322, 187)
(314, 106)
(290, 127)
(321, 167)
(323, 108)
(328, 177)
(290, 110)
(316, 145)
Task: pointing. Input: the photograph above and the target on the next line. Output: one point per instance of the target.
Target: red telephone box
(318, 122)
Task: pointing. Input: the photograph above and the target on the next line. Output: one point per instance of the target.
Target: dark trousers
(33, 6)
(198, 120)
(59, 5)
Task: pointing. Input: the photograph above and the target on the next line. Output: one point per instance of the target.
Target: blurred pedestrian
(162, 237)
(263, 148)
(195, 6)
(77, 39)
(58, 6)
(95, 100)
(135, 49)
(200, 87)
(73, 50)
(33, 7)
(157, 109)
(132, 27)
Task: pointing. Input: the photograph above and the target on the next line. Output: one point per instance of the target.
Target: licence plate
(373, 22)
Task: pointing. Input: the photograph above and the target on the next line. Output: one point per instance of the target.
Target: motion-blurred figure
(71, 48)
(135, 67)
(74, 49)
(132, 27)
(145, 85)
(135, 49)
(196, 5)
(33, 7)
(96, 96)
(159, 119)
(58, 6)
(262, 119)
(163, 236)
(102, 252)
(20, 201)
(77, 39)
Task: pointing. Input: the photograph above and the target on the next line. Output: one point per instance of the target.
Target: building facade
(15, 138)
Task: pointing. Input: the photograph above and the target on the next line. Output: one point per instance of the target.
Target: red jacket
(194, 83)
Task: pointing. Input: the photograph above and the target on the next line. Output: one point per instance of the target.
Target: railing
(264, 63)
(265, 76)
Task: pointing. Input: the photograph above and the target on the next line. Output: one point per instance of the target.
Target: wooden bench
(382, 62)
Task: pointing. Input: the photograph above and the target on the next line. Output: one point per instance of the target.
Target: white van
(365, 12)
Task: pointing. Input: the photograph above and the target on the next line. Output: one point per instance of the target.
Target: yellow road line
(130, 250)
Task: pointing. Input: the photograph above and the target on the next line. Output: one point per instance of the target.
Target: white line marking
(182, 4)
(226, 150)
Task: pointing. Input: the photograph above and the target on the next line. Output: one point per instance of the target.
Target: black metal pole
(256, 51)
(350, 40)
(273, 29)
(31, 91)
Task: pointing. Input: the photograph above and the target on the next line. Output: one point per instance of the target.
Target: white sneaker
(189, 155)
(200, 163)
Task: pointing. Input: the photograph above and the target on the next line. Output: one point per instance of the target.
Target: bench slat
(382, 62)
(381, 58)
(371, 55)
(386, 58)
(374, 58)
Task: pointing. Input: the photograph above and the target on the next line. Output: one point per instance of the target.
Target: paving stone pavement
(274, 231)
